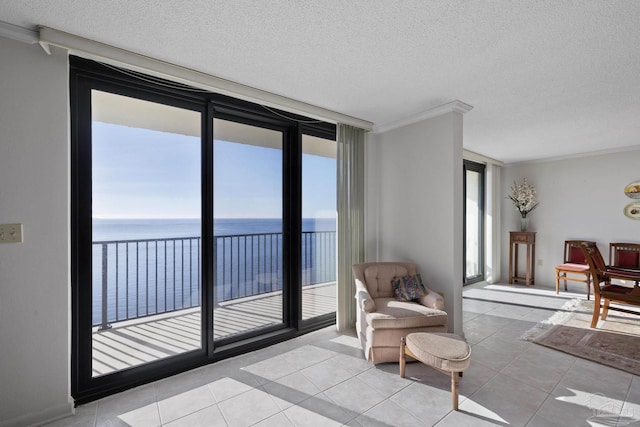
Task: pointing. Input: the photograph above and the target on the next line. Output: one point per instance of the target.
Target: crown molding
(575, 156)
(17, 33)
(450, 107)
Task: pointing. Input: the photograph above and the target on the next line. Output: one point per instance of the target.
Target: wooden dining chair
(574, 267)
(624, 256)
(603, 289)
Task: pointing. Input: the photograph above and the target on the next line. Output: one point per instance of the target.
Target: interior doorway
(473, 229)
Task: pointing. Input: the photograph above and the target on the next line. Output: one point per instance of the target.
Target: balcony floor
(134, 343)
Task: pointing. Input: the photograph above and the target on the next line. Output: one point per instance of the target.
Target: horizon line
(192, 218)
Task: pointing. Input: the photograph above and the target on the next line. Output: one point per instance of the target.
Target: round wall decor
(632, 210)
(633, 190)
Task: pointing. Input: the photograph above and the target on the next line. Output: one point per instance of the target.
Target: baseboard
(41, 417)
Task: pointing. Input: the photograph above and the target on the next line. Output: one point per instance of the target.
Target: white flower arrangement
(523, 197)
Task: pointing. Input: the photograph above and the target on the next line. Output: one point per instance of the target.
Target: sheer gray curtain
(350, 170)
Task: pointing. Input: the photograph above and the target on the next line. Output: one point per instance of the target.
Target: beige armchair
(382, 319)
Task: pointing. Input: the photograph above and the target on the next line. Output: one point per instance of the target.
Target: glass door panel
(472, 218)
(146, 228)
(319, 197)
(474, 222)
(248, 232)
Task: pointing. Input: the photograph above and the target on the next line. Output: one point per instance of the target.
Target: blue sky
(141, 173)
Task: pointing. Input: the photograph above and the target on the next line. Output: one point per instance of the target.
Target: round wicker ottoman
(448, 353)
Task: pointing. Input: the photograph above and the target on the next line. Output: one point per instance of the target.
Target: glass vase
(524, 223)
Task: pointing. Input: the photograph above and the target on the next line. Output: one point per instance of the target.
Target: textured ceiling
(546, 78)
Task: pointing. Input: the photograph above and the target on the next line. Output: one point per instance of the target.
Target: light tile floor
(321, 379)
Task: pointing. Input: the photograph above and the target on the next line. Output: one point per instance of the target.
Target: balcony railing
(138, 278)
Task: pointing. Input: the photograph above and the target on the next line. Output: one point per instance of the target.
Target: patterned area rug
(615, 342)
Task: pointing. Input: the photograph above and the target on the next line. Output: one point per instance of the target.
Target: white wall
(414, 203)
(580, 198)
(34, 275)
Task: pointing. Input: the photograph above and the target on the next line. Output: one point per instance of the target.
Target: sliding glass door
(248, 228)
(474, 222)
(202, 227)
(319, 262)
(146, 231)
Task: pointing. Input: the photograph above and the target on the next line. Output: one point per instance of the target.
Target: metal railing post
(105, 277)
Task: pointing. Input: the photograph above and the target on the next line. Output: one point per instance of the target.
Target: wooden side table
(527, 238)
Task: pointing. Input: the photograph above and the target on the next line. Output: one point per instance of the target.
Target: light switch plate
(10, 233)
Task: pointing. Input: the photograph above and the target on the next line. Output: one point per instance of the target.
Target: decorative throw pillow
(407, 288)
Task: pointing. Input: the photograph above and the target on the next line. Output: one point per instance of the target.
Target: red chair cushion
(628, 259)
(576, 256)
(578, 268)
(616, 289)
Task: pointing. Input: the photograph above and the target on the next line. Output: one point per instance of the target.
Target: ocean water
(125, 229)
(143, 267)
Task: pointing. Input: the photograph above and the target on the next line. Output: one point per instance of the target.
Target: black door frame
(86, 75)
(481, 169)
